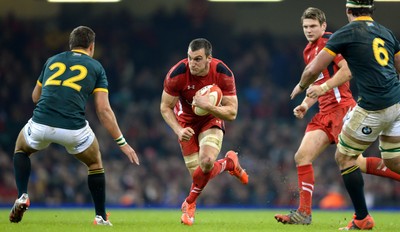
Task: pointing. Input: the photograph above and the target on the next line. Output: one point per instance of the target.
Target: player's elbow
(37, 91)
(35, 99)
(231, 116)
(104, 114)
(348, 75)
(311, 71)
(164, 109)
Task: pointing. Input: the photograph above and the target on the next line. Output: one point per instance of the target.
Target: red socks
(305, 175)
(376, 166)
(200, 179)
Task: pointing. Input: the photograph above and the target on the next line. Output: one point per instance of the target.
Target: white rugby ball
(215, 96)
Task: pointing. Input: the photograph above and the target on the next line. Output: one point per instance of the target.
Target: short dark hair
(81, 37)
(200, 43)
(314, 13)
(360, 7)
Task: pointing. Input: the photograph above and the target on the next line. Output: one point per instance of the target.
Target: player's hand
(128, 151)
(202, 101)
(300, 111)
(185, 134)
(296, 91)
(315, 91)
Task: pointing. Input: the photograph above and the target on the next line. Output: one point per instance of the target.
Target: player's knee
(301, 159)
(362, 163)
(206, 163)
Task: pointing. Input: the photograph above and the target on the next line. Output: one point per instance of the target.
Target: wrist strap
(325, 87)
(120, 141)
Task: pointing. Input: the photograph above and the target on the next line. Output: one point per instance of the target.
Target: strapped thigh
(349, 147)
(211, 140)
(389, 150)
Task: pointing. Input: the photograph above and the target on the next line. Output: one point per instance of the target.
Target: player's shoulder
(58, 56)
(326, 35)
(178, 69)
(220, 67)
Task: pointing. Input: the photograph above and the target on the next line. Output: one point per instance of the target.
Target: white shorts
(368, 125)
(39, 136)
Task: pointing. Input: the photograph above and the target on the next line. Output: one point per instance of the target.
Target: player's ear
(91, 49)
(209, 58)
(324, 25)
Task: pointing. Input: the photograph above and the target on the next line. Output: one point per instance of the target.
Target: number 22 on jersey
(71, 81)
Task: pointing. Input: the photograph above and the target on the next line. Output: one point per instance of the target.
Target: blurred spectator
(265, 133)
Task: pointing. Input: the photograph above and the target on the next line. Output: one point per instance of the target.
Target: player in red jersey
(332, 91)
(200, 137)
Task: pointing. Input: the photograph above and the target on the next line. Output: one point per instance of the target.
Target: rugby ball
(215, 97)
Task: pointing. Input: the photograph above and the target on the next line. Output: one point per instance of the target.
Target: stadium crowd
(136, 55)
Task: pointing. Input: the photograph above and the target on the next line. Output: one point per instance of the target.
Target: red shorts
(331, 123)
(192, 146)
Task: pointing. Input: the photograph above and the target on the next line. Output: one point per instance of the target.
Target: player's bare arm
(314, 68)
(226, 111)
(311, 72)
(341, 76)
(397, 62)
(108, 120)
(167, 111)
(37, 91)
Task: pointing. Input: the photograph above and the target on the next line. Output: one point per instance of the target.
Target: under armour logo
(223, 166)
(382, 166)
(190, 87)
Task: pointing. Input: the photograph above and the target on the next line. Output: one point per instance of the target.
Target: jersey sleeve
(226, 80)
(335, 44)
(174, 80)
(101, 82)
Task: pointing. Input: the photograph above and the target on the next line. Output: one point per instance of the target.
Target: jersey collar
(80, 51)
(364, 18)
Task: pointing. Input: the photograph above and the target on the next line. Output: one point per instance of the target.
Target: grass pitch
(164, 220)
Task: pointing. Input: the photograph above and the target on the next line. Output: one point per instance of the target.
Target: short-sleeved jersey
(336, 97)
(180, 82)
(369, 50)
(67, 80)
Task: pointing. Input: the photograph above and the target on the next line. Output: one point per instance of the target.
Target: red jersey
(180, 82)
(338, 96)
